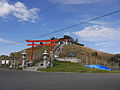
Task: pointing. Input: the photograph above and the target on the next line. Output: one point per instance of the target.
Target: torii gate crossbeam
(42, 42)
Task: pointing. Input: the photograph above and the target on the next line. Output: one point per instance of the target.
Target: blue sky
(21, 20)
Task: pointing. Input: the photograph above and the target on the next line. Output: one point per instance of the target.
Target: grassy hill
(87, 55)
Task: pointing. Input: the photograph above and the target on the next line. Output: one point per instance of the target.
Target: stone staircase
(31, 68)
(58, 49)
(34, 68)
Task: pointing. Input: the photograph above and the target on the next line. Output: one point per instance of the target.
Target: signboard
(7, 61)
(3, 62)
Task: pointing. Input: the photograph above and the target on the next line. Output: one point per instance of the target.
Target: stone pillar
(51, 59)
(45, 58)
(24, 59)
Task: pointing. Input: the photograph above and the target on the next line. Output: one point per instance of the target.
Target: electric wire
(77, 24)
(87, 21)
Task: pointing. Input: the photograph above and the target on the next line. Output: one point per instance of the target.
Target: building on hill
(70, 40)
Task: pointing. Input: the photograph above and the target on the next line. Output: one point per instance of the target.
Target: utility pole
(14, 64)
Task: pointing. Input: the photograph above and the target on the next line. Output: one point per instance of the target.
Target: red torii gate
(42, 42)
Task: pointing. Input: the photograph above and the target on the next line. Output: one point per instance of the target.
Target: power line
(78, 24)
(56, 31)
(9, 28)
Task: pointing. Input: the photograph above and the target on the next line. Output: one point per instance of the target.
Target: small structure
(45, 58)
(74, 60)
(24, 55)
(70, 40)
(4, 63)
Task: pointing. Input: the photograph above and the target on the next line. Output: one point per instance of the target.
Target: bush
(19, 68)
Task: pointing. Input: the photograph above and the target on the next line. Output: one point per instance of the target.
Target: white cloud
(19, 10)
(75, 1)
(102, 49)
(97, 33)
(99, 22)
(7, 41)
(81, 1)
(67, 33)
(44, 24)
(104, 44)
(2, 40)
(100, 38)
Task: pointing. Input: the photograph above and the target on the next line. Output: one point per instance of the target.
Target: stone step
(31, 69)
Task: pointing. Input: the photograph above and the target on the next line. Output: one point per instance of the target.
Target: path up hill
(87, 55)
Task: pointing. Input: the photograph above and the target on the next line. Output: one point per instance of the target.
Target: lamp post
(45, 58)
(24, 55)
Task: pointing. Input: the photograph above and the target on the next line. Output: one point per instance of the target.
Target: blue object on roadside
(98, 67)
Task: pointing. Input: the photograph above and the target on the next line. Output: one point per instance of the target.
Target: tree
(115, 59)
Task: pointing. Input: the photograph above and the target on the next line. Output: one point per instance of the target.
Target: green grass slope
(73, 68)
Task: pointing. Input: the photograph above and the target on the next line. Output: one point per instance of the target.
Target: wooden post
(50, 46)
(32, 52)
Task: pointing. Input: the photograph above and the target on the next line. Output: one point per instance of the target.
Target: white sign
(7, 61)
(3, 62)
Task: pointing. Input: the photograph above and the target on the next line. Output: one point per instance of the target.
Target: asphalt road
(21, 80)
